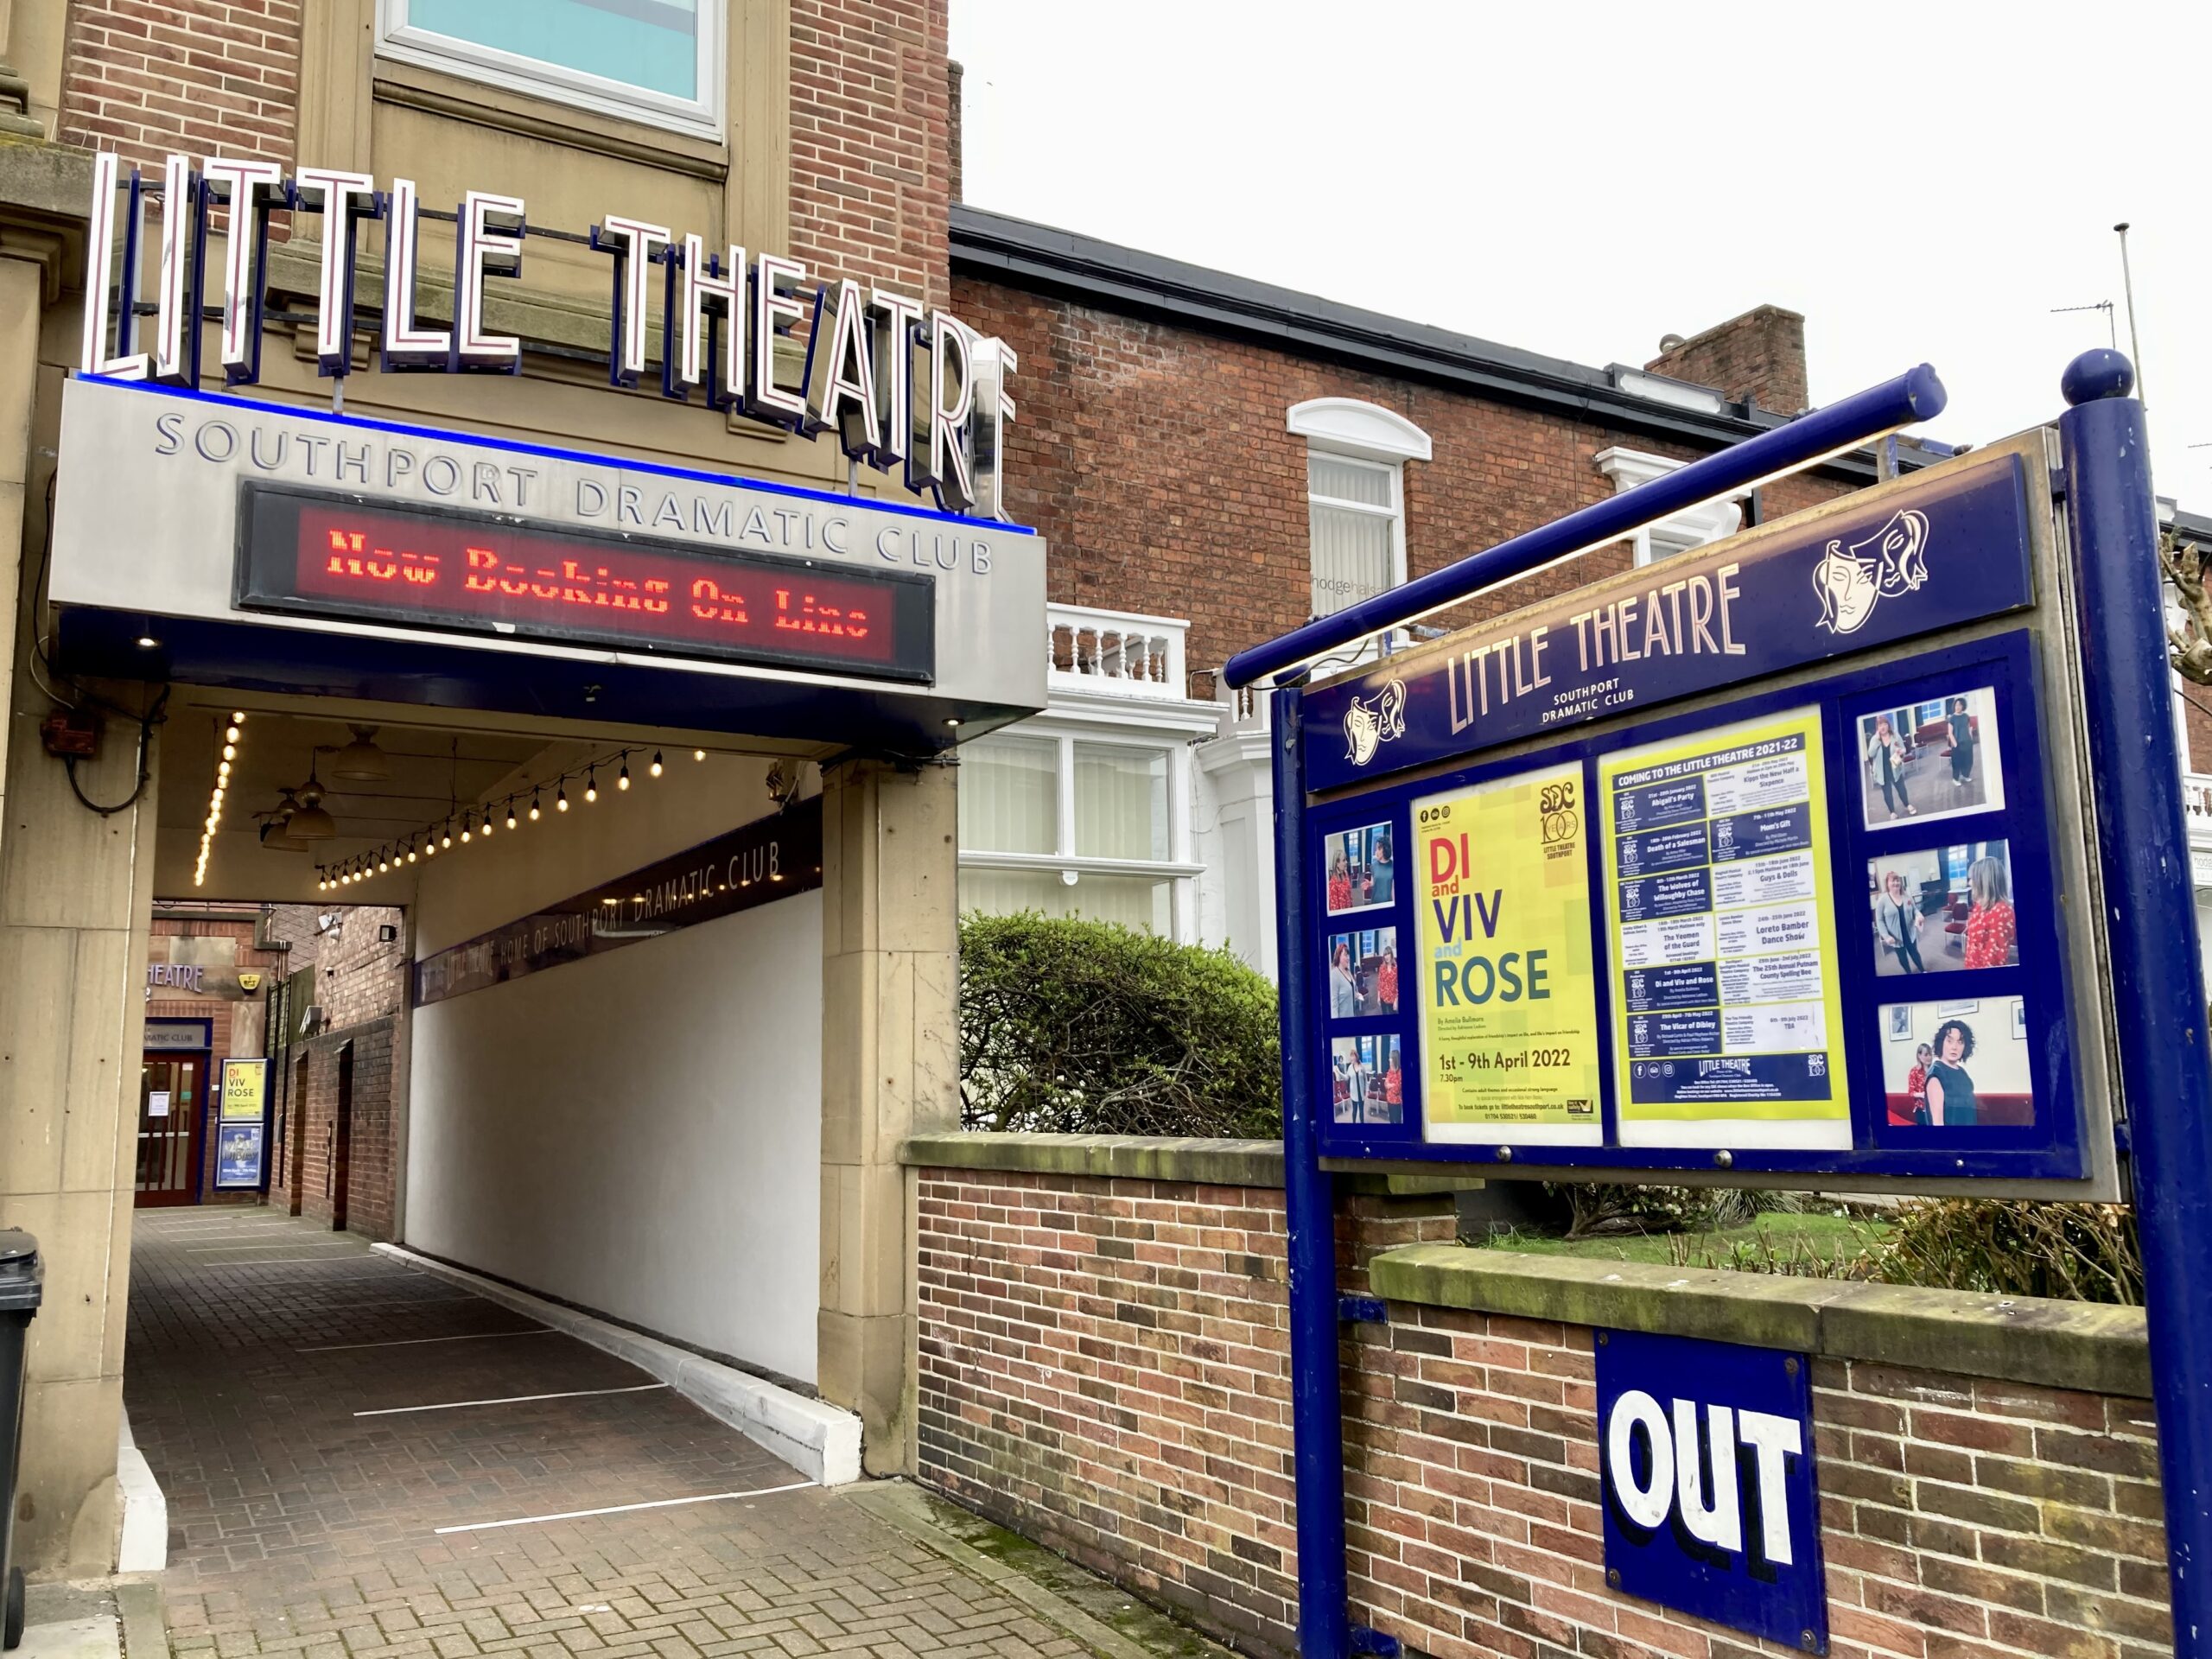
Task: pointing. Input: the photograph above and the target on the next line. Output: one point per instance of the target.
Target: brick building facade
(1215, 460)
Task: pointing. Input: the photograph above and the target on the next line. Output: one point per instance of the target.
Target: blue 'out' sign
(1706, 1453)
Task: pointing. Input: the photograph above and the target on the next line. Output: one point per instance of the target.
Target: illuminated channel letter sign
(1706, 1461)
(1743, 866)
(418, 566)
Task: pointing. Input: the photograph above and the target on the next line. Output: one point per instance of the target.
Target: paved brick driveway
(299, 1524)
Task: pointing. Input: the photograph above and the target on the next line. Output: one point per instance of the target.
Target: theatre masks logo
(1851, 581)
(1370, 722)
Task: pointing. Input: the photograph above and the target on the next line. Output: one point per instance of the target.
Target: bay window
(1071, 825)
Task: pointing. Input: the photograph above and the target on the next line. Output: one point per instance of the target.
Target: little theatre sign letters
(904, 389)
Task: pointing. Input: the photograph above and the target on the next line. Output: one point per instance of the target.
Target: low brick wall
(1103, 1367)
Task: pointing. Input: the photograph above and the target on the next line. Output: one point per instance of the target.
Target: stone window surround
(1692, 527)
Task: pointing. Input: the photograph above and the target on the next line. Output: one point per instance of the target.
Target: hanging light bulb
(410, 852)
(230, 734)
(485, 829)
(655, 768)
(698, 754)
(623, 782)
(511, 811)
(533, 806)
(383, 861)
(446, 839)
(467, 819)
(561, 795)
(430, 846)
(591, 785)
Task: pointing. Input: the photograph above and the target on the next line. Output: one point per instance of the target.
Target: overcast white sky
(1924, 183)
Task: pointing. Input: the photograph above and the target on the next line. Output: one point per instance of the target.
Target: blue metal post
(2149, 919)
(1309, 1194)
(1916, 395)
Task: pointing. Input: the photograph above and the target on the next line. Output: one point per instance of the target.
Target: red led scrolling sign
(416, 566)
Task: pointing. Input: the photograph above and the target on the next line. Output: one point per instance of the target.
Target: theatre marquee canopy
(253, 545)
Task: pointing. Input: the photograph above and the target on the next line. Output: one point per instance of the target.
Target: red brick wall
(1156, 461)
(1104, 1369)
(359, 981)
(147, 77)
(372, 1165)
(1756, 357)
(871, 165)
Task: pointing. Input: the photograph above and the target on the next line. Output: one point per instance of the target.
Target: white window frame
(1368, 435)
(1692, 527)
(1180, 868)
(700, 118)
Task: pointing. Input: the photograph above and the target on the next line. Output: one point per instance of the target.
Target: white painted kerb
(144, 1545)
(820, 1440)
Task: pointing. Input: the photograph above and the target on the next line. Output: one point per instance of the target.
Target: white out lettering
(1693, 1477)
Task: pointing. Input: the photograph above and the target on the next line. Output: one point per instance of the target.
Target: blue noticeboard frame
(1759, 1566)
(2051, 1147)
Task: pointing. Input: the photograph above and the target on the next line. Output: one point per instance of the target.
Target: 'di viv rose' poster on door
(1508, 1006)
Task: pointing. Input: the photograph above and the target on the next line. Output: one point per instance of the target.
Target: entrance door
(341, 1153)
(170, 1107)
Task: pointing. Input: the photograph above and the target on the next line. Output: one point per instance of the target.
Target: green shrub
(1088, 1027)
(2011, 1246)
(1998, 1247)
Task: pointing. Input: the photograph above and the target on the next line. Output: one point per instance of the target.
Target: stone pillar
(74, 904)
(30, 64)
(890, 1069)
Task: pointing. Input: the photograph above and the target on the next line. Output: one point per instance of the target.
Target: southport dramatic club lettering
(905, 389)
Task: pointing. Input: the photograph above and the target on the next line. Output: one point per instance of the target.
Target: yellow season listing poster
(1729, 1029)
(1508, 992)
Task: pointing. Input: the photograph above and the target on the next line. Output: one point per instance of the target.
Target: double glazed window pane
(1352, 550)
(649, 44)
(1010, 796)
(1121, 802)
(1139, 901)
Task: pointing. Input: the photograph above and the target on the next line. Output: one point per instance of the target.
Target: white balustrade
(1114, 653)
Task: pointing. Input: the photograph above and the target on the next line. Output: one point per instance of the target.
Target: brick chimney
(1758, 358)
(952, 74)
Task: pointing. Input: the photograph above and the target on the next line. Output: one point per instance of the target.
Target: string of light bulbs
(234, 734)
(476, 821)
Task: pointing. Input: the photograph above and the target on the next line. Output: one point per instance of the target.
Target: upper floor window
(1695, 526)
(1355, 496)
(657, 62)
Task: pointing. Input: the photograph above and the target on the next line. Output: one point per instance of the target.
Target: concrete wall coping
(2086, 1345)
(1145, 1158)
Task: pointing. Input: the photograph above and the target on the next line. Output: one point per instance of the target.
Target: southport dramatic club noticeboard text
(1752, 863)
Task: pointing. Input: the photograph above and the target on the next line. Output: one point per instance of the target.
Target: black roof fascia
(1040, 259)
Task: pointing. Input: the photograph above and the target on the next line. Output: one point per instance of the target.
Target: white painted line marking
(511, 1400)
(412, 1342)
(288, 1260)
(625, 1508)
(273, 1244)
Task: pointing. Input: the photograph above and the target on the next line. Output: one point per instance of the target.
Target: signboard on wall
(1795, 907)
(1706, 1466)
(239, 1154)
(757, 863)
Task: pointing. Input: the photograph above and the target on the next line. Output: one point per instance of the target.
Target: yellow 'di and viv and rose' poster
(1508, 991)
